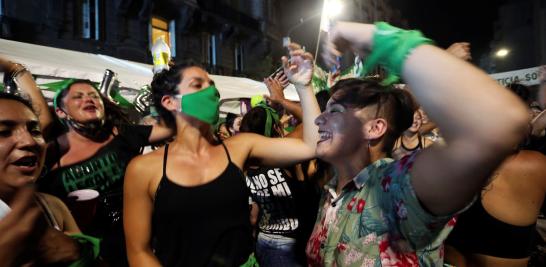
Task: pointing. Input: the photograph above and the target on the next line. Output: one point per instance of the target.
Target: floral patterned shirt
(377, 221)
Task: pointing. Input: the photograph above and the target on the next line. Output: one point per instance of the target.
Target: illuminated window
(212, 50)
(162, 27)
(91, 19)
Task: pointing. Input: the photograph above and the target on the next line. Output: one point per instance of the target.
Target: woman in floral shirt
(381, 212)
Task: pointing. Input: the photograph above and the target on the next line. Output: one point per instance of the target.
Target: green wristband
(90, 248)
(391, 46)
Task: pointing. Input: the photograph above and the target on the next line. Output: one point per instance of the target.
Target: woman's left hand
(299, 69)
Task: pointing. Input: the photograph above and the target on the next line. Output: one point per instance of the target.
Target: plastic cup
(83, 205)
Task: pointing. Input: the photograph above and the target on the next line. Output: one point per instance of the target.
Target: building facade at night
(228, 37)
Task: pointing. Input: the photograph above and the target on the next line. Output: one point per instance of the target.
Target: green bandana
(272, 117)
(251, 262)
(203, 105)
(391, 46)
(56, 98)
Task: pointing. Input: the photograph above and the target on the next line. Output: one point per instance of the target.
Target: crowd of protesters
(447, 169)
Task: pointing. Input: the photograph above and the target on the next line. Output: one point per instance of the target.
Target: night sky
(443, 21)
(447, 22)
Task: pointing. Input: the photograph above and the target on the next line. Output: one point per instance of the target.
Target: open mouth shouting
(26, 164)
(324, 136)
(90, 108)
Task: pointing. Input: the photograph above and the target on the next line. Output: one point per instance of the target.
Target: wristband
(391, 46)
(89, 250)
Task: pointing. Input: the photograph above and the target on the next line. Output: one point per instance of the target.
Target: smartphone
(277, 71)
(285, 41)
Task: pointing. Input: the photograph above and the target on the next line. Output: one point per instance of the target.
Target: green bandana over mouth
(203, 105)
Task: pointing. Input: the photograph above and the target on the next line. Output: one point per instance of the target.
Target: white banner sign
(524, 76)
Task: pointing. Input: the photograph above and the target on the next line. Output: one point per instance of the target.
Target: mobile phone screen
(277, 71)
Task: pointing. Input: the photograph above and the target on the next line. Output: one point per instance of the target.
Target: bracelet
(18, 71)
(391, 46)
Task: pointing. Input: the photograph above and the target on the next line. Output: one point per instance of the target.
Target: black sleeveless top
(478, 232)
(204, 225)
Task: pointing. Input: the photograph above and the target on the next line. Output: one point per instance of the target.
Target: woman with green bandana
(377, 211)
(187, 204)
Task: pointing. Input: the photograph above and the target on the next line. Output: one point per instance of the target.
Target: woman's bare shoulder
(147, 164)
(527, 164)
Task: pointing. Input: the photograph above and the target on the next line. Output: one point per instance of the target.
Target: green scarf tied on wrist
(391, 46)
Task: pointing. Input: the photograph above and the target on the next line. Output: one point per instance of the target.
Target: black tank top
(204, 225)
(478, 232)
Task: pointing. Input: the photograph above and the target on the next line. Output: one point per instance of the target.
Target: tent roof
(62, 63)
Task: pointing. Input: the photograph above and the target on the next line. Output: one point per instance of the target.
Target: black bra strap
(227, 152)
(48, 214)
(165, 160)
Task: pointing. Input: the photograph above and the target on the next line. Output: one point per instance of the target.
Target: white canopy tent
(51, 64)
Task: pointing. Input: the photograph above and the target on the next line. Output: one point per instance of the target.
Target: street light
(503, 52)
(330, 10)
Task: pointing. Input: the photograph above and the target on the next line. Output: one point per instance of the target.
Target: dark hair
(396, 106)
(114, 115)
(166, 83)
(520, 90)
(18, 98)
(254, 122)
(230, 120)
(322, 99)
(57, 99)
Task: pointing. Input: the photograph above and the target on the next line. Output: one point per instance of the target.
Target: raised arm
(464, 102)
(160, 132)
(300, 71)
(137, 211)
(26, 83)
(280, 152)
(276, 96)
